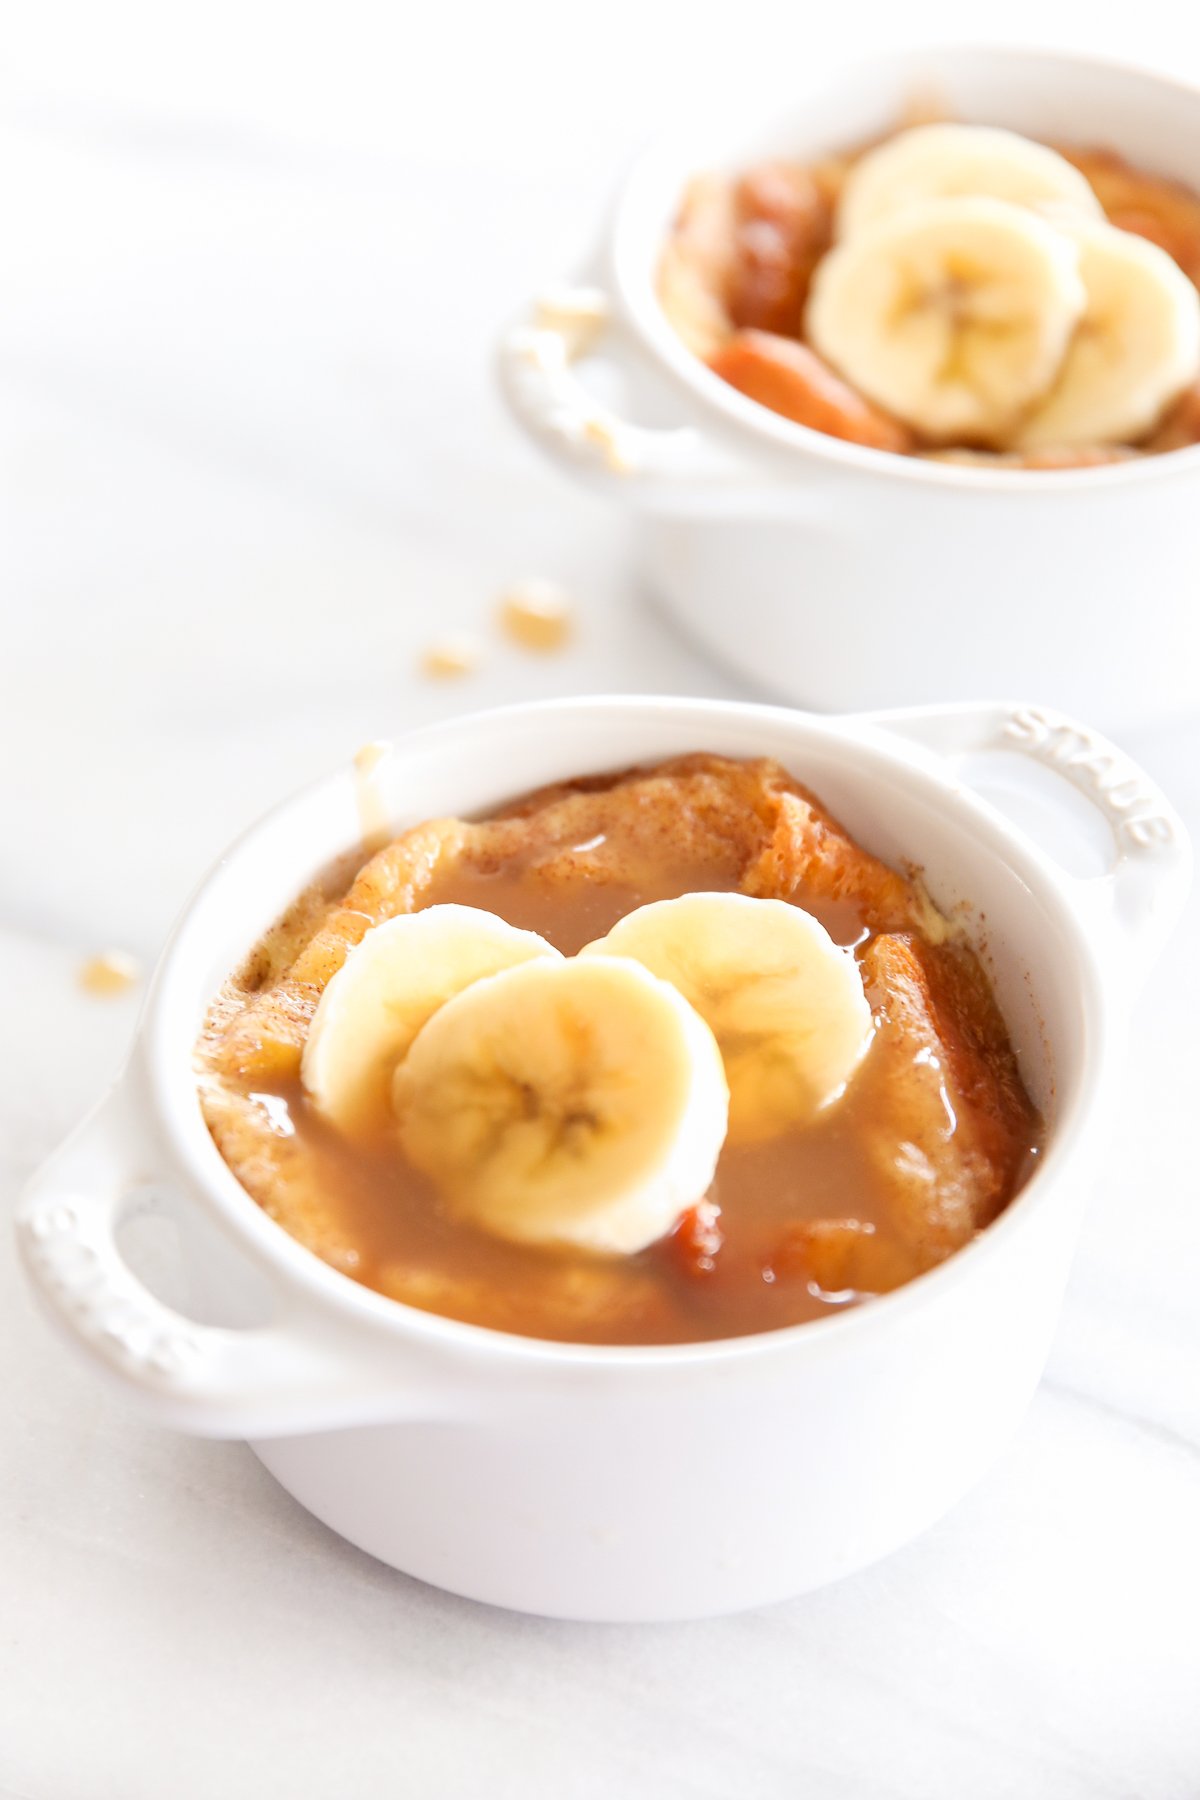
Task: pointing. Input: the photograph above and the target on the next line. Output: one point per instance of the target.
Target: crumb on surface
(536, 614)
(451, 656)
(110, 973)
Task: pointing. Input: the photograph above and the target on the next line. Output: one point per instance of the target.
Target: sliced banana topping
(785, 1004)
(396, 979)
(954, 315)
(577, 1102)
(940, 162)
(1136, 349)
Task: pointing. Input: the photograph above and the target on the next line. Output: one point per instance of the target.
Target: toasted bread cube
(790, 379)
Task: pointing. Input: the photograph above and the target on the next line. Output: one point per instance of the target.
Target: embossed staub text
(1126, 798)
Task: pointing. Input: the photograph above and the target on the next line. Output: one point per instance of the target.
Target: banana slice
(785, 1004)
(574, 1102)
(941, 162)
(1136, 349)
(955, 315)
(396, 979)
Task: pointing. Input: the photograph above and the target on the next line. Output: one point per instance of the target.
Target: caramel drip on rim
(373, 821)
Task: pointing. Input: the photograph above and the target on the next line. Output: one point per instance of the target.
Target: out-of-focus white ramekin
(842, 577)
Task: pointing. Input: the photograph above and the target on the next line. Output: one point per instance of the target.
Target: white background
(252, 259)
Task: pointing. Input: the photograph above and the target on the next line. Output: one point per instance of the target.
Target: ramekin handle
(538, 378)
(308, 1368)
(1142, 893)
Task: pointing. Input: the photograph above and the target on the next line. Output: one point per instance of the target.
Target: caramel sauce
(752, 1263)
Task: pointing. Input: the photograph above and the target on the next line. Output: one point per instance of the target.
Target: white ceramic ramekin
(842, 577)
(653, 1483)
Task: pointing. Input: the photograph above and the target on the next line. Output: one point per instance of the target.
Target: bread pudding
(954, 291)
(641, 1058)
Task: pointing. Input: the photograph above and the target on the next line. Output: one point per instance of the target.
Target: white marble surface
(250, 464)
